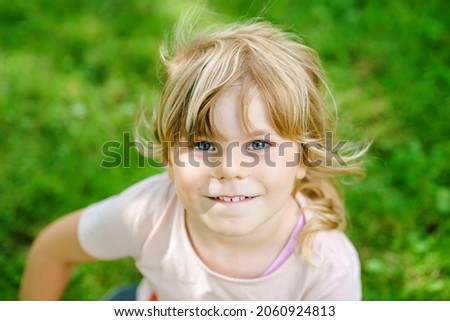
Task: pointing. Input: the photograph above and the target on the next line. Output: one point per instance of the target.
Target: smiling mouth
(231, 199)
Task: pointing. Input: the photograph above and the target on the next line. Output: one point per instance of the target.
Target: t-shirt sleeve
(112, 229)
(340, 277)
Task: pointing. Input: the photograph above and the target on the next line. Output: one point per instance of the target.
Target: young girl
(247, 208)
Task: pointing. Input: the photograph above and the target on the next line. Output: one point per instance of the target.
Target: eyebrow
(249, 135)
(262, 133)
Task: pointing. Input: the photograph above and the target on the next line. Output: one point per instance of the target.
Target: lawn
(75, 74)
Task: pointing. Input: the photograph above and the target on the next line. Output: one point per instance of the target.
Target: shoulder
(330, 245)
(334, 247)
(117, 226)
(143, 203)
(158, 184)
(142, 198)
(338, 275)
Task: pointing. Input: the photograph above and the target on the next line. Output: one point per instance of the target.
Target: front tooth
(242, 198)
(227, 199)
(236, 199)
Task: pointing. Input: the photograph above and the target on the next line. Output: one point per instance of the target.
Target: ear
(301, 171)
(169, 167)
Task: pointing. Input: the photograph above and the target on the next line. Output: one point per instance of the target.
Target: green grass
(74, 74)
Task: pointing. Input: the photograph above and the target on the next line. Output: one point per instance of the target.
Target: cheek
(188, 174)
(186, 184)
(282, 172)
(290, 154)
(283, 179)
(285, 159)
(188, 159)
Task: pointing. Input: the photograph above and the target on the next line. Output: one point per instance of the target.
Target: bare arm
(51, 258)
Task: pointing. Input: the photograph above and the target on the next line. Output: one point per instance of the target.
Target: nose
(230, 165)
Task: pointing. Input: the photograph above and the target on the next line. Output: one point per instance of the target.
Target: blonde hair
(289, 77)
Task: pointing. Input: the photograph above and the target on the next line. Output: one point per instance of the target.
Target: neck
(242, 256)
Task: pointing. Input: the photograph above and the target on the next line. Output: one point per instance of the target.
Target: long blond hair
(287, 74)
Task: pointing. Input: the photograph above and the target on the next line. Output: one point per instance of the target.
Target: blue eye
(204, 146)
(259, 145)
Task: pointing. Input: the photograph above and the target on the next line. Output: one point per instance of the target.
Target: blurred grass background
(73, 75)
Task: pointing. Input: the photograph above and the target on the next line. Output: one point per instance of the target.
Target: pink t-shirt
(146, 222)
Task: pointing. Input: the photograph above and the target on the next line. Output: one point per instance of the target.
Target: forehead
(238, 114)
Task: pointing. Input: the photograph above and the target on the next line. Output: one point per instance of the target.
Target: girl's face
(241, 185)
